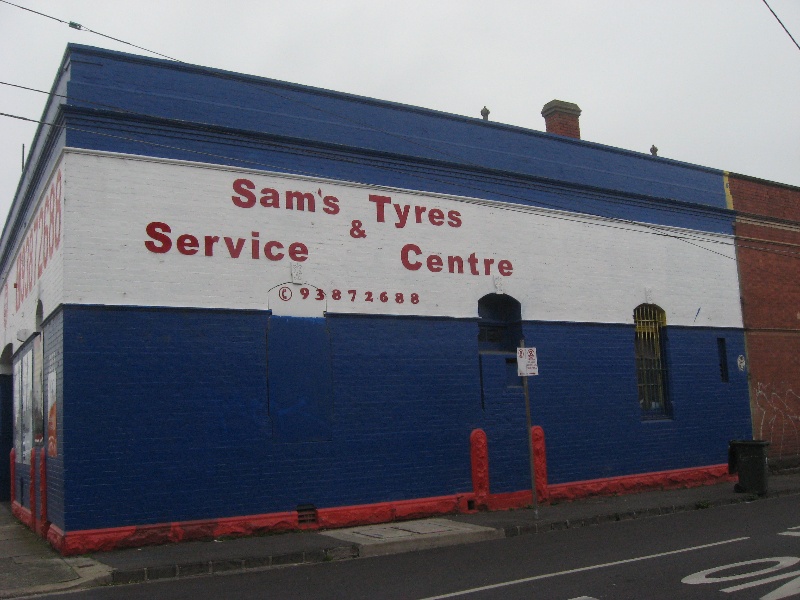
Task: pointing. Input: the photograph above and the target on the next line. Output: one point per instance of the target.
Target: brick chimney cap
(555, 106)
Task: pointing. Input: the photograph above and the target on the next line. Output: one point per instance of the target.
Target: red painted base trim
(510, 500)
(102, 540)
(22, 513)
(32, 491)
(99, 540)
(401, 510)
(628, 484)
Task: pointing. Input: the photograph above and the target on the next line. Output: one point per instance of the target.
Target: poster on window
(25, 424)
(52, 409)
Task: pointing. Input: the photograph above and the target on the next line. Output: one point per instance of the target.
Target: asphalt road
(685, 555)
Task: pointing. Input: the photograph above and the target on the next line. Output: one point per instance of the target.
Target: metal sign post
(527, 364)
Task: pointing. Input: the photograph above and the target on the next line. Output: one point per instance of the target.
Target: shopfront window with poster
(28, 401)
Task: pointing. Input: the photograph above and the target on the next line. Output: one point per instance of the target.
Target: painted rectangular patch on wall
(299, 379)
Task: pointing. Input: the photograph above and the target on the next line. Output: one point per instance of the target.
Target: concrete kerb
(215, 567)
(461, 529)
(362, 550)
(560, 525)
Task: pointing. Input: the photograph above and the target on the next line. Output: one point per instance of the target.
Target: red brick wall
(775, 391)
(769, 273)
(765, 198)
(768, 252)
(563, 124)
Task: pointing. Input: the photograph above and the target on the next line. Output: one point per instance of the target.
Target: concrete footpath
(29, 566)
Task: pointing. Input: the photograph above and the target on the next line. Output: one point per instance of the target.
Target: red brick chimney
(561, 118)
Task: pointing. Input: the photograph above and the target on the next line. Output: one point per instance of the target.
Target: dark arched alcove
(499, 327)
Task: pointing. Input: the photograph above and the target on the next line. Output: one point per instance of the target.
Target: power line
(22, 118)
(653, 229)
(34, 11)
(411, 140)
(781, 22)
(459, 159)
(79, 27)
(436, 150)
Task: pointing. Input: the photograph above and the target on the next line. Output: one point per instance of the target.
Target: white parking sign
(526, 362)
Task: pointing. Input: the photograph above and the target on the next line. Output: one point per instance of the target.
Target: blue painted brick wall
(585, 398)
(505, 425)
(166, 412)
(52, 330)
(164, 415)
(299, 380)
(407, 398)
(167, 415)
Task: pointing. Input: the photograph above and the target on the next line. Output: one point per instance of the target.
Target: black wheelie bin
(748, 458)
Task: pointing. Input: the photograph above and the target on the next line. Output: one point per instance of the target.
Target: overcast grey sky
(710, 82)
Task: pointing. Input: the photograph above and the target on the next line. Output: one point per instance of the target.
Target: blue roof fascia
(148, 136)
(210, 96)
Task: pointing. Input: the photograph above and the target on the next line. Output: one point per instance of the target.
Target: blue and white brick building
(226, 297)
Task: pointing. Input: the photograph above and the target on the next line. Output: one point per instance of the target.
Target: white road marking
(580, 570)
(781, 562)
(791, 531)
(744, 586)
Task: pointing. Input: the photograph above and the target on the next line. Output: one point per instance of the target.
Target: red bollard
(33, 489)
(44, 524)
(540, 462)
(479, 458)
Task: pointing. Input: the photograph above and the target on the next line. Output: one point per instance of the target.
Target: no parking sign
(526, 362)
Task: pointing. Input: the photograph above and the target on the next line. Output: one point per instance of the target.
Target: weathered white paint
(18, 301)
(566, 267)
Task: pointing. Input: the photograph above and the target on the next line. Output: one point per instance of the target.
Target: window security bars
(651, 368)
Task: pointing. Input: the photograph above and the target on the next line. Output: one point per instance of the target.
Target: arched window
(651, 364)
(500, 328)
